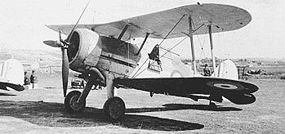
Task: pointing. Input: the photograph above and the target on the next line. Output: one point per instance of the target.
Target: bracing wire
(136, 74)
(163, 54)
(174, 46)
(160, 44)
(172, 29)
(202, 46)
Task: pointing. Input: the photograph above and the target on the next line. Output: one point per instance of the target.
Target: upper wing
(194, 85)
(223, 17)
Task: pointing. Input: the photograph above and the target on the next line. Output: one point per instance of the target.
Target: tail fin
(227, 70)
(12, 71)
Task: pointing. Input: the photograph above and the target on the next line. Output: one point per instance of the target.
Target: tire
(114, 108)
(70, 102)
(212, 105)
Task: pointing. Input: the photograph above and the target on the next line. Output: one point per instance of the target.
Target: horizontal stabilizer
(240, 98)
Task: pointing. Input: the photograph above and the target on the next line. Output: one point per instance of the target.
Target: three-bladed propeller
(64, 44)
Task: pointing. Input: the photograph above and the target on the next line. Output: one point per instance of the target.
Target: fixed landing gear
(71, 104)
(114, 108)
(75, 101)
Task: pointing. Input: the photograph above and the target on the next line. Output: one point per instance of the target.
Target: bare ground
(42, 111)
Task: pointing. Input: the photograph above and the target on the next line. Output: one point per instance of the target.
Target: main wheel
(70, 102)
(114, 108)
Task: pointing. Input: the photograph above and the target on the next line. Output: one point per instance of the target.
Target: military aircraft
(11, 75)
(101, 53)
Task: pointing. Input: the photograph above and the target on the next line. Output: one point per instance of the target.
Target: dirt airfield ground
(42, 111)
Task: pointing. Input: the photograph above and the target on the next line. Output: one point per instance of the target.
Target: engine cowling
(82, 43)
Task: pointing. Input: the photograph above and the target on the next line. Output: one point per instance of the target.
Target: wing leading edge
(222, 17)
(237, 92)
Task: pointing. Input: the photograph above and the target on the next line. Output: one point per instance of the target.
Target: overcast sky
(22, 24)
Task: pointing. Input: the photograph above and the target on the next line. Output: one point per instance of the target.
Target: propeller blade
(71, 32)
(65, 70)
(52, 43)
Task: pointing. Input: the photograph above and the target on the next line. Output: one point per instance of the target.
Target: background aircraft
(11, 75)
(101, 53)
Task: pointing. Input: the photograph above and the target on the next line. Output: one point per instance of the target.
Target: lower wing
(17, 87)
(237, 92)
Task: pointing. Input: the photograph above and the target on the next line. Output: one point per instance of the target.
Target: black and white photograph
(142, 66)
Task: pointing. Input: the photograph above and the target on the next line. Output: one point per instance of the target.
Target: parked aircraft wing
(221, 17)
(17, 87)
(236, 91)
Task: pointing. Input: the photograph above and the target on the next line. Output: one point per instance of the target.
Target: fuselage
(107, 54)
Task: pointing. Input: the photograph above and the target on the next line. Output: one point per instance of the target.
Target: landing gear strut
(114, 107)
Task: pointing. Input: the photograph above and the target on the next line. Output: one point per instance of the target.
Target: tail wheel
(212, 105)
(114, 108)
(70, 102)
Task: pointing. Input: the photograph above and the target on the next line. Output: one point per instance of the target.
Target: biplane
(104, 57)
(11, 75)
